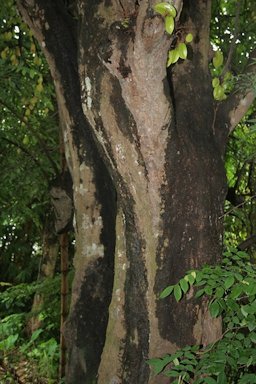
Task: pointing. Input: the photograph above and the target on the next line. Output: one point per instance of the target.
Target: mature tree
(154, 141)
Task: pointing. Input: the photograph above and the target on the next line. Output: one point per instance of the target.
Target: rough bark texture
(162, 144)
(93, 193)
(197, 185)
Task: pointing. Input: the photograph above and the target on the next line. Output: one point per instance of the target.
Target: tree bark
(93, 193)
(64, 310)
(160, 144)
(161, 139)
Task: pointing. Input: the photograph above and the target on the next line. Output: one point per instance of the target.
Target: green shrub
(231, 290)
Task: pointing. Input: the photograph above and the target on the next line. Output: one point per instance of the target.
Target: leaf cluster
(231, 292)
(41, 348)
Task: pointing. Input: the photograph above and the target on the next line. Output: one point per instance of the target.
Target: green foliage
(165, 9)
(41, 348)
(168, 11)
(224, 83)
(18, 300)
(10, 329)
(231, 291)
(181, 287)
(45, 353)
(233, 40)
(28, 146)
(229, 21)
(240, 169)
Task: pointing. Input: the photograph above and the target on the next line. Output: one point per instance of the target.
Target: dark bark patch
(123, 68)
(85, 340)
(194, 203)
(136, 314)
(124, 117)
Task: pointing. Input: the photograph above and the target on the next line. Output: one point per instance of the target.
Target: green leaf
(218, 59)
(172, 373)
(169, 24)
(244, 311)
(156, 364)
(214, 308)
(222, 379)
(191, 277)
(215, 82)
(25, 140)
(172, 11)
(189, 355)
(165, 9)
(251, 325)
(189, 38)
(229, 282)
(250, 289)
(173, 57)
(252, 337)
(159, 364)
(199, 293)
(166, 292)
(243, 360)
(182, 50)
(176, 361)
(177, 292)
(36, 334)
(236, 291)
(199, 276)
(208, 290)
(184, 285)
(218, 92)
(219, 292)
(248, 378)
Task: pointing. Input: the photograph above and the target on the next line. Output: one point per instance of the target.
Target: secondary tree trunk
(159, 141)
(50, 251)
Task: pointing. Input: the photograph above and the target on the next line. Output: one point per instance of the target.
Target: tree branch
(250, 241)
(29, 154)
(233, 41)
(234, 108)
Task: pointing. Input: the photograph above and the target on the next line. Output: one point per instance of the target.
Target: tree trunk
(64, 310)
(166, 161)
(50, 251)
(93, 193)
(159, 142)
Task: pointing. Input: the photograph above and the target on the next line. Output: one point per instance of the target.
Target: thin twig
(216, 341)
(237, 206)
(28, 153)
(40, 140)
